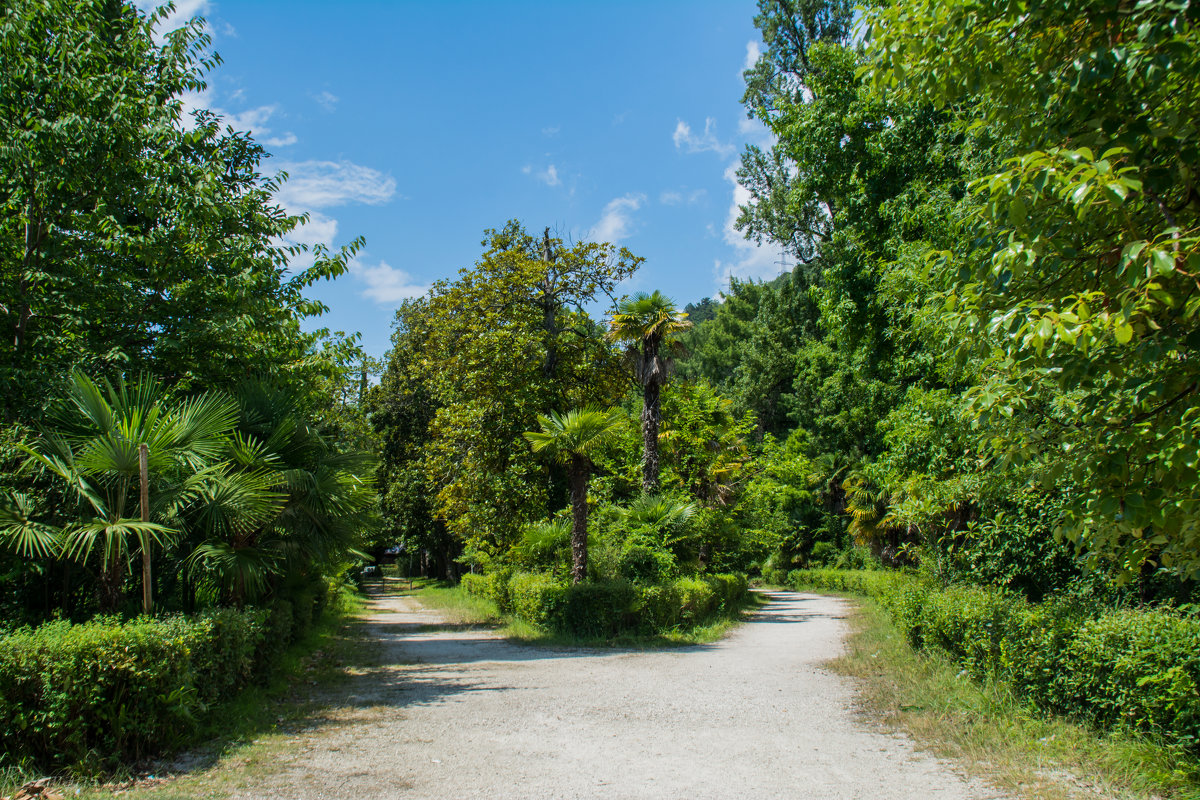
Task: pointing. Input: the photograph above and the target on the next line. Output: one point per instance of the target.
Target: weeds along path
(459, 713)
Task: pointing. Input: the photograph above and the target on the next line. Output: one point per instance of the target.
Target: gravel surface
(459, 713)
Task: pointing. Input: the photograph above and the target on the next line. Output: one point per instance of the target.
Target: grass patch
(248, 733)
(461, 608)
(992, 733)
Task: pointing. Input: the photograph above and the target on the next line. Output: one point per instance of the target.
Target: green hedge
(1125, 669)
(603, 609)
(97, 694)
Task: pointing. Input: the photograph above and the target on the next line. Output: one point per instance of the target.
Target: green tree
(1076, 282)
(524, 346)
(571, 439)
(133, 238)
(649, 324)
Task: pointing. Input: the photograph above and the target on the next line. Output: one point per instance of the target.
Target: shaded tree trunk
(579, 513)
(651, 418)
(112, 585)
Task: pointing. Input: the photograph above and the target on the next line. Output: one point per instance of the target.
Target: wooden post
(147, 584)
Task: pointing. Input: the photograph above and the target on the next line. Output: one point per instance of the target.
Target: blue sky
(419, 125)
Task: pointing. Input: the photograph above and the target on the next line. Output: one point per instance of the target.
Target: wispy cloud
(251, 120)
(287, 139)
(753, 51)
(691, 142)
(750, 260)
(386, 284)
(616, 223)
(548, 176)
(551, 130)
(327, 100)
(675, 198)
(314, 186)
(323, 184)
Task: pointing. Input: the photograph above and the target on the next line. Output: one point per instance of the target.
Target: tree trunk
(651, 416)
(144, 475)
(112, 579)
(579, 514)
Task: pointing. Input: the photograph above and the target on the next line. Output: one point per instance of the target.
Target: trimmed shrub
(697, 600)
(105, 692)
(225, 646)
(598, 609)
(657, 607)
(1135, 670)
(475, 584)
(492, 586)
(537, 597)
(602, 609)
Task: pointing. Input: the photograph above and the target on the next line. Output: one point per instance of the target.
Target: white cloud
(322, 184)
(685, 139)
(548, 176)
(674, 198)
(252, 120)
(385, 283)
(288, 138)
(551, 131)
(327, 100)
(750, 260)
(185, 11)
(752, 54)
(616, 222)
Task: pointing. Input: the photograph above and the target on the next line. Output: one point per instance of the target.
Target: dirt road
(458, 713)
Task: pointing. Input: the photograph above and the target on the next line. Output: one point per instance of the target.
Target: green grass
(992, 733)
(248, 730)
(461, 608)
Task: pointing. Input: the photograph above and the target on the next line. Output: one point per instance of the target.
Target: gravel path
(458, 713)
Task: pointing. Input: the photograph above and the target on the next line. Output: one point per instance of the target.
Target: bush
(224, 646)
(823, 553)
(602, 609)
(537, 597)
(104, 692)
(598, 609)
(492, 586)
(645, 563)
(1117, 669)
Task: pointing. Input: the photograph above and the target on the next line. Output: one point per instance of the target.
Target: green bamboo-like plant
(647, 324)
(571, 439)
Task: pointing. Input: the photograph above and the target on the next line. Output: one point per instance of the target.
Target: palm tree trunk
(651, 416)
(579, 513)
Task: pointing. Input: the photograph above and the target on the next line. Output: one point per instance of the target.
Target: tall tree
(649, 324)
(1078, 282)
(571, 439)
(524, 346)
(133, 237)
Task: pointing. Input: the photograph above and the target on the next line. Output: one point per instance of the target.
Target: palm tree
(647, 325)
(288, 500)
(571, 439)
(91, 439)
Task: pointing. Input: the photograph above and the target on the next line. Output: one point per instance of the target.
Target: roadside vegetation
(992, 726)
(976, 394)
